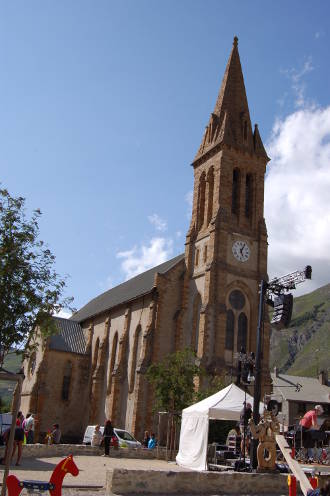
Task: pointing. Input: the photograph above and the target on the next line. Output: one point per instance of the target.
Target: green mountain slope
(304, 347)
(12, 363)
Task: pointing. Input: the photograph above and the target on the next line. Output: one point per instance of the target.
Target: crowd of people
(24, 434)
(25, 427)
(108, 438)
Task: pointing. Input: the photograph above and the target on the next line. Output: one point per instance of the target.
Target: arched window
(201, 201)
(32, 364)
(195, 324)
(242, 332)
(235, 192)
(66, 381)
(205, 254)
(135, 356)
(229, 344)
(197, 257)
(248, 195)
(210, 180)
(112, 363)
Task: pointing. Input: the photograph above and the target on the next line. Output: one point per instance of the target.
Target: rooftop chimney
(323, 377)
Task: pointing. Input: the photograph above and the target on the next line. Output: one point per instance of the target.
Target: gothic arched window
(235, 192)
(248, 195)
(230, 323)
(66, 380)
(195, 324)
(201, 201)
(210, 181)
(112, 361)
(32, 364)
(135, 356)
(242, 332)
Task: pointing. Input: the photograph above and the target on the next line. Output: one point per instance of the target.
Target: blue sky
(103, 105)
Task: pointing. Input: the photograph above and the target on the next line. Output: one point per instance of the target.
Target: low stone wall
(47, 451)
(122, 482)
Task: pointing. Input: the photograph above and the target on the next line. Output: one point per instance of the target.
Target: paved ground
(91, 478)
(92, 469)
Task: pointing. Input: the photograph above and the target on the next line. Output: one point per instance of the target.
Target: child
(97, 436)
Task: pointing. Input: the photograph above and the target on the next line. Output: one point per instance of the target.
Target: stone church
(205, 298)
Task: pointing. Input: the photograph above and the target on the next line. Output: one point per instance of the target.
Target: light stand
(257, 383)
(245, 371)
(277, 286)
(244, 428)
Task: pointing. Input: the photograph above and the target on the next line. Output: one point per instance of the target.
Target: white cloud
(63, 314)
(140, 259)
(157, 222)
(297, 206)
(297, 81)
(189, 200)
(319, 34)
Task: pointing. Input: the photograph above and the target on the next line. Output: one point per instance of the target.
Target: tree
(173, 380)
(31, 291)
(214, 384)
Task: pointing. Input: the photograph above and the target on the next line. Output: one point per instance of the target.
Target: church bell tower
(226, 244)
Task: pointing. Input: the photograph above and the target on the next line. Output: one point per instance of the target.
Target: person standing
(309, 420)
(107, 435)
(146, 438)
(152, 441)
(246, 414)
(97, 436)
(19, 419)
(56, 434)
(18, 442)
(307, 426)
(29, 428)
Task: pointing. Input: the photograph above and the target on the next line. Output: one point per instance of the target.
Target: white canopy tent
(223, 405)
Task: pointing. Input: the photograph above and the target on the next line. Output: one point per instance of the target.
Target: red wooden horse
(54, 486)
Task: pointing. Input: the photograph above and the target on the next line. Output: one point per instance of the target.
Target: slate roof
(127, 291)
(70, 337)
(312, 390)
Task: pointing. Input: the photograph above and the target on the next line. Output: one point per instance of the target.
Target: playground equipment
(295, 468)
(54, 486)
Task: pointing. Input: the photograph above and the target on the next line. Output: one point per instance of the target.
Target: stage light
(308, 272)
(283, 304)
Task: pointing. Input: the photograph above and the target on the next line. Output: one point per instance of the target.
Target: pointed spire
(230, 121)
(258, 144)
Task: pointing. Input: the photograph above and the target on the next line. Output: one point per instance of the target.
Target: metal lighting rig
(282, 303)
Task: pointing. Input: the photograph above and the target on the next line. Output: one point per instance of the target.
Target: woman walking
(107, 435)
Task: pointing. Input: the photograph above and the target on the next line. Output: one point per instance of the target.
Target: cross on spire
(230, 121)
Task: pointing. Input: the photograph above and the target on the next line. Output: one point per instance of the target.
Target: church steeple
(230, 122)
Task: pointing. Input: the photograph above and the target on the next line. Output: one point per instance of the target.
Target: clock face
(241, 251)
